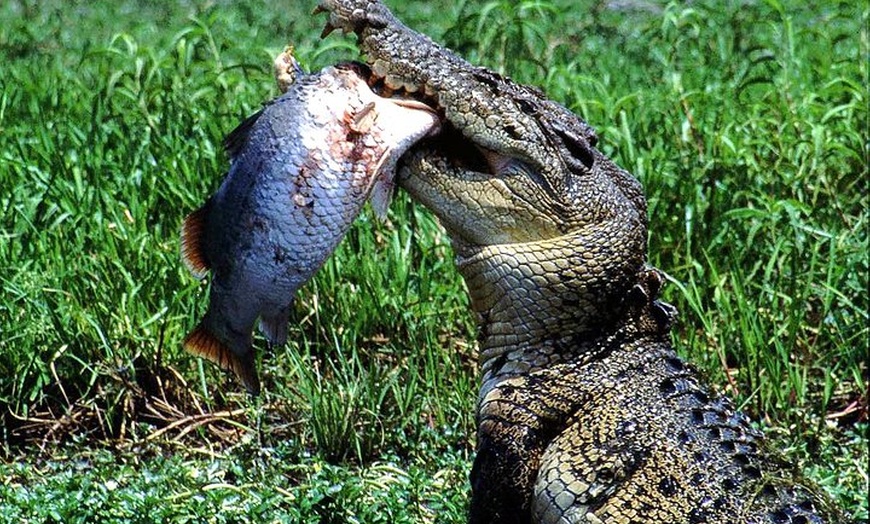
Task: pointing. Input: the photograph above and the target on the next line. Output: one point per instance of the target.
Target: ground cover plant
(746, 123)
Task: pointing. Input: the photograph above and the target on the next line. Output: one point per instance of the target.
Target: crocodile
(586, 414)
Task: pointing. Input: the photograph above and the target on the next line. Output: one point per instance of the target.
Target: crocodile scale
(585, 412)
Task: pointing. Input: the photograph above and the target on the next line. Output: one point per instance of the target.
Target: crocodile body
(585, 412)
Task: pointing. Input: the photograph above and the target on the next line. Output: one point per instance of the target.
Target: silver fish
(301, 170)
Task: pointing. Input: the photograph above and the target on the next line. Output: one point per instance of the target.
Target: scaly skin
(585, 414)
(301, 170)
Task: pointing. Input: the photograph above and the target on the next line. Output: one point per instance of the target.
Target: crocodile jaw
(541, 221)
(479, 208)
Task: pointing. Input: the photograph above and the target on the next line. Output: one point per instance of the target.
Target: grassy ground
(746, 124)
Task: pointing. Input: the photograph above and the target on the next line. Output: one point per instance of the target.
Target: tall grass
(747, 125)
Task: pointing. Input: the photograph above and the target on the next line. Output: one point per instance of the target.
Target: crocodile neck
(540, 303)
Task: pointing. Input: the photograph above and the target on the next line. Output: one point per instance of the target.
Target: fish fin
(203, 343)
(274, 327)
(383, 184)
(238, 137)
(382, 194)
(193, 242)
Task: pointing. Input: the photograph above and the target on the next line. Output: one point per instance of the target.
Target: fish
(301, 170)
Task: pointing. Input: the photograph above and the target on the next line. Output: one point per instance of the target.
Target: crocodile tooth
(393, 82)
(380, 68)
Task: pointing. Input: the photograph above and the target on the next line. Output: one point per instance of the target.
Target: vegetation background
(745, 121)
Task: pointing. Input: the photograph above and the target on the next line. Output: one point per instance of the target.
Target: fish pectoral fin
(203, 343)
(193, 242)
(274, 327)
(381, 195)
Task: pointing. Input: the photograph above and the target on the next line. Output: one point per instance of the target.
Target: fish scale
(301, 171)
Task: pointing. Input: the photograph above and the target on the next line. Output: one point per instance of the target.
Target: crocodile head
(549, 233)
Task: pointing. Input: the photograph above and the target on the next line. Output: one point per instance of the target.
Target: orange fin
(203, 343)
(193, 242)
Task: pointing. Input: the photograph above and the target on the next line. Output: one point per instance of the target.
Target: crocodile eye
(578, 148)
(527, 107)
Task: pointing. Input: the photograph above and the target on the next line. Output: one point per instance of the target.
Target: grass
(747, 126)
(268, 485)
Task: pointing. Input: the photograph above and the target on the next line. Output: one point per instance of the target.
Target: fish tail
(193, 242)
(204, 343)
